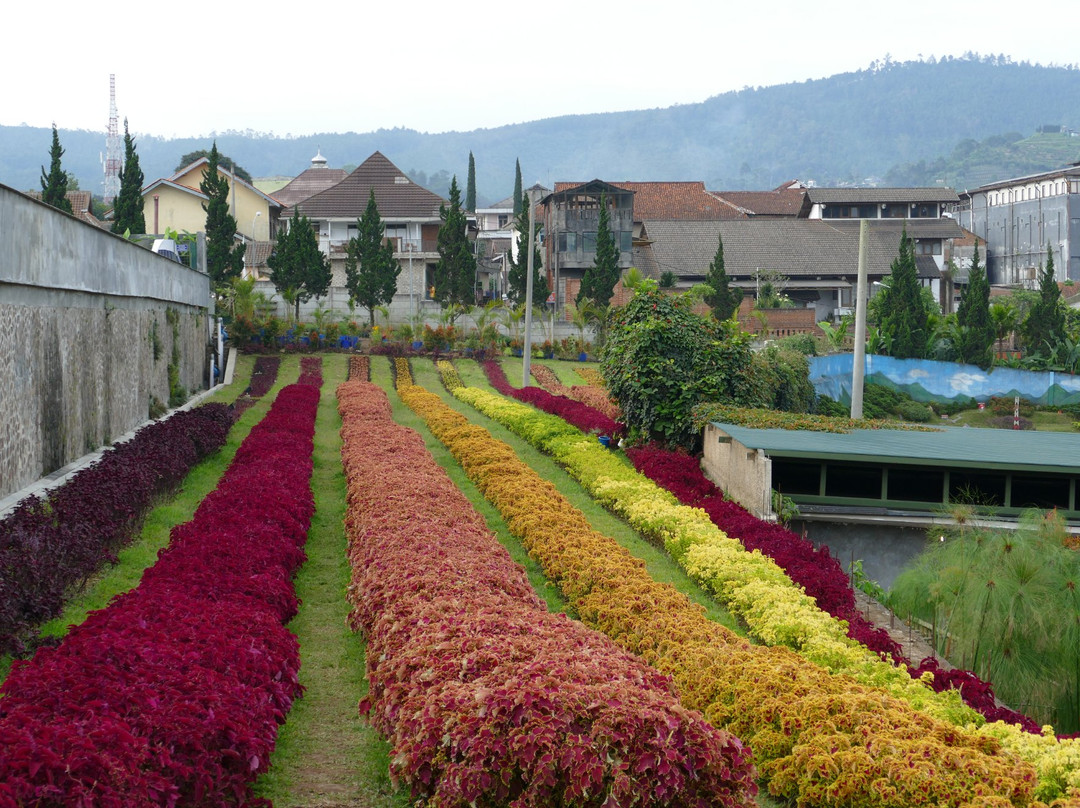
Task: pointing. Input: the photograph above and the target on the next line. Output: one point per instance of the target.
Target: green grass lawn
(1044, 420)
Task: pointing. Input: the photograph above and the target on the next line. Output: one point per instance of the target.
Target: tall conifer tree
(298, 268)
(1044, 326)
(470, 186)
(723, 299)
(54, 185)
(371, 271)
(905, 322)
(518, 193)
(519, 268)
(224, 257)
(128, 215)
(455, 274)
(598, 282)
(975, 332)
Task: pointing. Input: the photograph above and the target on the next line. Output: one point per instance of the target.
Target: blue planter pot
(417, 344)
(581, 357)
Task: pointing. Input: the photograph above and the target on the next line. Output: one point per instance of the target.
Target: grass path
(326, 755)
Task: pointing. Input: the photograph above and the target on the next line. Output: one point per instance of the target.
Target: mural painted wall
(927, 380)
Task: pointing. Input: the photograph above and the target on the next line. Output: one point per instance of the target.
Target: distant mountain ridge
(845, 129)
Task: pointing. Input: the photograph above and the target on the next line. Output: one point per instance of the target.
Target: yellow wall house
(177, 203)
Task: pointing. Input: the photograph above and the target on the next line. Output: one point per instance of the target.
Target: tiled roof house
(409, 212)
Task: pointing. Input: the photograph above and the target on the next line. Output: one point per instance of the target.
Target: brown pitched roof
(80, 206)
(396, 195)
(312, 181)
(781, 202)
(683, 201)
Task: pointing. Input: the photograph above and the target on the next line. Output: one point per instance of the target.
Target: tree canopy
(455, 273)
(598, 282)
(371, 271)
(298, 268)
(128, 215)
(54, 184)
(224, 256)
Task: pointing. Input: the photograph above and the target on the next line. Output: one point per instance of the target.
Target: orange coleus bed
(818, 739)
(487, 698)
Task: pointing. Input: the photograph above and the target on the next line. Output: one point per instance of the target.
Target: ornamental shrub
(661, 359)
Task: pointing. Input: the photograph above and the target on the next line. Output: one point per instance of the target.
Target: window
(893, 211)
(928, 247)
(568, 242)
(916, 484)
(853, 481)
(588, 241)
(503, 219)
(795, 477)
(626, 241)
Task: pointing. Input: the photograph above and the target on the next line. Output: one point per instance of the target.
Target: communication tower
(112, 147)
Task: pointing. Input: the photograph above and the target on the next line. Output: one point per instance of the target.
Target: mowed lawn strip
(658, 563)
(325, 753)
(142, 551)
(381, 375)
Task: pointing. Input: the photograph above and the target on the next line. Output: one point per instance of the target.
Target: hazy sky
(193, 68)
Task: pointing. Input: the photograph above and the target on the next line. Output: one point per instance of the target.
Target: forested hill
(843, 129)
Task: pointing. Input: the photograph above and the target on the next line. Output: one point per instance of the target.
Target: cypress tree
(975, 337)
(54, 185)
(1044, 326)
(298, 268)
(723, 299)
(599, 280)
(455, 273)
(224, 257)
(519, 269)
(128, 216)
(470, 186)
(518, 194)
(905, 321)
(371, 271)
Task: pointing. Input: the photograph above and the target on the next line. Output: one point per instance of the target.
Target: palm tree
(1004, 319)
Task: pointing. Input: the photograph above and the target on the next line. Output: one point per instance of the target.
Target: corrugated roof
(397, 196)
(951, 446)
(795, 247)
(860, 196)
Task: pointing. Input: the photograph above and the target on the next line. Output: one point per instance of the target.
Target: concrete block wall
(79, 308)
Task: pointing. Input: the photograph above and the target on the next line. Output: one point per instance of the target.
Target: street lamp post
(526, 354)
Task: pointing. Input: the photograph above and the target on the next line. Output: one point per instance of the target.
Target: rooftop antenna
(112, 147)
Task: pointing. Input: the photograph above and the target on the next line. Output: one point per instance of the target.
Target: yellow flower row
(754, 588)
(817, 739)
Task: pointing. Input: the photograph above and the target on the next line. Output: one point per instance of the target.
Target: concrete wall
(744, 475)
(88, 323)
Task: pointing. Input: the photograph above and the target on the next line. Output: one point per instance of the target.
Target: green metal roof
(956, 447)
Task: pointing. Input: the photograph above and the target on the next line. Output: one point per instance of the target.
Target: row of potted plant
(486, 697)
(51, 545)
(817, 738)
(172, 695)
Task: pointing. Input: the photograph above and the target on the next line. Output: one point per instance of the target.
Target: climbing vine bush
(661, 359)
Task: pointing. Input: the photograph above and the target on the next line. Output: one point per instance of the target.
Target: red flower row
(49, 545)
(486, 697)
(588, 419)
(173, 693)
